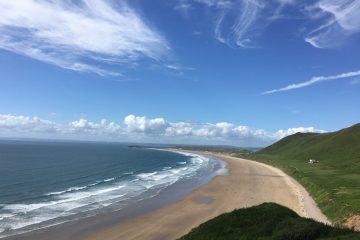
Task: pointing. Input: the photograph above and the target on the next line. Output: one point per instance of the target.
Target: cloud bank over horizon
(141, 129)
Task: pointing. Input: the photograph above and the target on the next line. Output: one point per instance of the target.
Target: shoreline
(103, 217)
(249, 183)
(307, 205)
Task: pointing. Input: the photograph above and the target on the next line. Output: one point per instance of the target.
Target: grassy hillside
(334, 182)
(267, 221)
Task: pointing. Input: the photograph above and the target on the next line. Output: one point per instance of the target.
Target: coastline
(249, 183)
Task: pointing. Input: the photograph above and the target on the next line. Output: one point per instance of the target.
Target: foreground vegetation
(334, 182)
(267, 221)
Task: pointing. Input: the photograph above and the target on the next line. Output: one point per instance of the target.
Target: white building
(312, 161)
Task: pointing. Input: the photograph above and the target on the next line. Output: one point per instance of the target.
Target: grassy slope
(266, 221)
(335, 181)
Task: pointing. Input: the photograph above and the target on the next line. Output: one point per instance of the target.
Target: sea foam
(81, 199)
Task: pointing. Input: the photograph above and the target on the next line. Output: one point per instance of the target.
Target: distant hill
(334, 182)
(267, 221)
(341, 147)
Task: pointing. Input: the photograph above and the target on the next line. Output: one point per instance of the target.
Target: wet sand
(249, 183)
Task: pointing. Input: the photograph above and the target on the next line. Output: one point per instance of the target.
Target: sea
(46, 183)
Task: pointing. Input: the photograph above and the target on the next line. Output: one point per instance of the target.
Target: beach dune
(249, 183)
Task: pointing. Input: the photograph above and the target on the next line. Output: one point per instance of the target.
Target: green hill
(267, 221)
(334, 182)
(331, 147)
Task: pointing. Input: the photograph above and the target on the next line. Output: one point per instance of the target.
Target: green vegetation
(334, 182)
(267, 221)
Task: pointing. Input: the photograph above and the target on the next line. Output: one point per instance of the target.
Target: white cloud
(179, 129)
(178, 67)
(183, 7)
(314, 80)
(339, 20)
(12, 125)
(215, 133)
(242, 15)
(83, 125)
(237, 22)
(140, 128)
(79, 35)
(144, 125)
(26, 124)
(283, 133)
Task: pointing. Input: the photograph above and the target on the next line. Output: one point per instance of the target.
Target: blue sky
(242, 72)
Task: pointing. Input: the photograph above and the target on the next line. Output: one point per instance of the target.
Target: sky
(242, 72)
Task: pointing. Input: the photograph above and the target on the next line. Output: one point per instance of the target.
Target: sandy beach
(249, 183)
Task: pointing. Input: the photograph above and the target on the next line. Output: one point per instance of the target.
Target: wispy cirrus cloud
(86, 35)
(235, 20)
(141, 128)
(314, 80)
(240, 23)
(177, 67)
(237, 23)
(339, 19)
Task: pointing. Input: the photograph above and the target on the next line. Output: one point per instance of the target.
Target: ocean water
(47, 183)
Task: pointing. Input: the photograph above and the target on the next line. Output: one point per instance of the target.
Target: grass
(334, 182)
(267, 221)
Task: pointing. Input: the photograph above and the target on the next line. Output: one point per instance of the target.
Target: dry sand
(249, 183)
